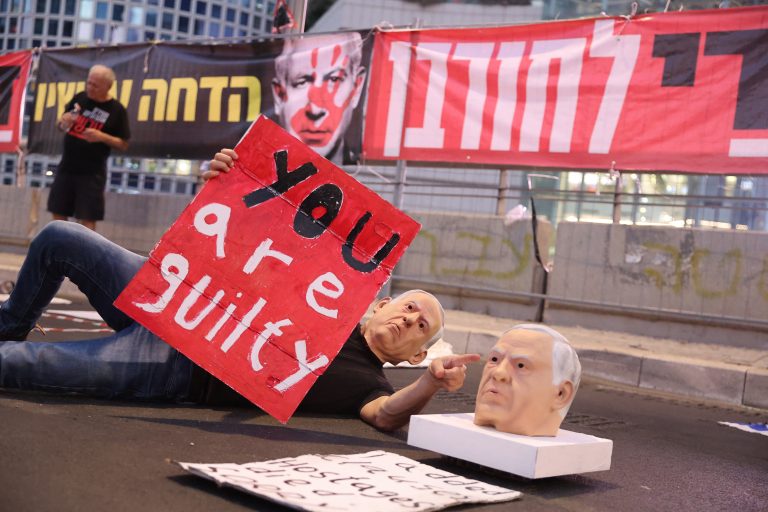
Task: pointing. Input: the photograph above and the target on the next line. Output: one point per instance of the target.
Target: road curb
(688, 377)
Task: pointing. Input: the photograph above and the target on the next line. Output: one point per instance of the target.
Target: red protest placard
(266, 273)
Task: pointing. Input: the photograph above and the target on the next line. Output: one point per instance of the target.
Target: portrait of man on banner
(318, 91)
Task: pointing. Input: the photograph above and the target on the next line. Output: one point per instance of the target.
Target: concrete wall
(135, 222)
(475, 263)
(677, 283)
(697, 285)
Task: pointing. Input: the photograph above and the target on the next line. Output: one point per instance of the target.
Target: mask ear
(564, 394)
(418, 358)
(381, 303)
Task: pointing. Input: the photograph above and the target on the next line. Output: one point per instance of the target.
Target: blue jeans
(132, 363)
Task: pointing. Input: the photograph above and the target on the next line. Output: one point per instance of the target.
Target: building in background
(648, 198)
(363, 14)
(59, 23)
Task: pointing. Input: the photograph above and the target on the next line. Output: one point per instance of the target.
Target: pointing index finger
(460, 359)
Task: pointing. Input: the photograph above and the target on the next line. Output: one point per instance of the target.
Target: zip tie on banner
(612, 172)
(628, 17)
(383, 26)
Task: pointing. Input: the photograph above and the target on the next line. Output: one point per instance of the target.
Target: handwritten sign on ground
(266, 273)
(372, 481)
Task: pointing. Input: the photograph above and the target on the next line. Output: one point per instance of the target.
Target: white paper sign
(370, 482)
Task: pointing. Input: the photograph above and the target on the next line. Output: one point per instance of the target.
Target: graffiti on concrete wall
(714, 272)
(477, 251)
(482, 264)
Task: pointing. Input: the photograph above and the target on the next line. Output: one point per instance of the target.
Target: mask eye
(493, 359)
(422, 325)
(521, 365)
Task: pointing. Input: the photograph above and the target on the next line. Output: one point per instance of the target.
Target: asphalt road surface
(74, 454)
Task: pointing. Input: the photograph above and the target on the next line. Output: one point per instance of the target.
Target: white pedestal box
(457, 436)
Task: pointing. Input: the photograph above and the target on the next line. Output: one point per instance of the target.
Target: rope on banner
(359, 167)
(152, 45)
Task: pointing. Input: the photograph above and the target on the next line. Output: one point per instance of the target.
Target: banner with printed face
(683, 91)
(190, 100)
(266, 273)
(14, 70)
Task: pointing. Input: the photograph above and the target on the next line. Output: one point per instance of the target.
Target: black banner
(189, 100)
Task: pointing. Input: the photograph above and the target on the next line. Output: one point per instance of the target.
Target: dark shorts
(78, 196)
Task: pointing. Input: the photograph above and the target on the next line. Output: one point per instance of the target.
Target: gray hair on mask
(565, 360)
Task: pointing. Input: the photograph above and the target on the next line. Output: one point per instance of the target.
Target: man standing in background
(94, 123)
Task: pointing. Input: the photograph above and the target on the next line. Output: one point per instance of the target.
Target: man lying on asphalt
(135, 364)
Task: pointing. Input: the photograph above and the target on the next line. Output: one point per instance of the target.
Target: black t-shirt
(354, 378)
(81, 156)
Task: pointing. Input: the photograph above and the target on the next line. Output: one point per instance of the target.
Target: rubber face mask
(516, 392)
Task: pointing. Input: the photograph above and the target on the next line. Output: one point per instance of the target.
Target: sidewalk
(718, 372)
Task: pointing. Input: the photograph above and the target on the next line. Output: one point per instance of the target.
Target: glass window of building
(214, 29)
(53, 27)
(102, 10)
(199, 27)
(169, 4)
(151, 19)
(117, 12)
(69, 7)
(229, 31)
(201, 7)
(185, 5)
(246, 4)
(153, 2)
(37, 43)
(257, 22)
(100, 32)
(55, 7)
(230, 15)
(38, 26)
(84, 31)
(66, 28)
(165, 37)
(167, 21)
(86, 9)
(244, 19)
(133, 35)
(150, 35)
(137, 15)
(4, 6)
(216, 11)
(40, 6)
(184, 24)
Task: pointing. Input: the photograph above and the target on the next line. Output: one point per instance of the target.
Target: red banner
(14, 70)
(681, 91)
(266, 273)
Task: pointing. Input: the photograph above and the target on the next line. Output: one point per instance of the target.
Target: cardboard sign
(266, 273)
(373, 481)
